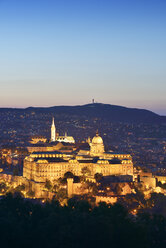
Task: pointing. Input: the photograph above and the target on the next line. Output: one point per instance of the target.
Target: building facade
(55, 136)
(42, 166)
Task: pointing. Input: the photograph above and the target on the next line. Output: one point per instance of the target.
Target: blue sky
(67, 52)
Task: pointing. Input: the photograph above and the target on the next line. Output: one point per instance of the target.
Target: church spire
(53, 124)
(53, 131)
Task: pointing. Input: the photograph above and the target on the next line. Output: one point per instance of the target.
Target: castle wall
(106, 199)
(149, 182)
(32, 149)
(38, 168)
(41, 170)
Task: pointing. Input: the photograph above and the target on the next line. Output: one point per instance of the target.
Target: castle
(55, 136)
(51, 165)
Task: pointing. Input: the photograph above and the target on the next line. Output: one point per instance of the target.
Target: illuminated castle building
(55, 136)
(65, 138)
(42, 166)
(97, 146)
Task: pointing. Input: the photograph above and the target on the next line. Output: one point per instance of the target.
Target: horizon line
(75, 105)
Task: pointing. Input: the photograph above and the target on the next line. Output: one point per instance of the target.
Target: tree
(31, 193)
(76, 179)
(68, 174)
(61, 194)
(55, 188)
(157, 203)
(20, 188)
(63, 181)
(85, 171)
(98, 177)
(78, 224)
(48, 184)
(3, 187)
(94, 189)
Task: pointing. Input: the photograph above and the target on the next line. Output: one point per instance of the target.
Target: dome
(97, 140)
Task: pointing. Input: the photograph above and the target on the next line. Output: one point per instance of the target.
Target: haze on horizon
(68, 52)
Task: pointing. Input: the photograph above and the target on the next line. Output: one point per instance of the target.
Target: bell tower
(53, 131)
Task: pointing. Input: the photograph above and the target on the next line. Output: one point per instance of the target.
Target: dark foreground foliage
(25, 224)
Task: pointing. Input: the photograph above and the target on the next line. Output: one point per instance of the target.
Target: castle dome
(97, 140)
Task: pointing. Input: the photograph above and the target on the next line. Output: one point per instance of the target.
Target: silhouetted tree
(78, 224)
(98, 177)
(68, 174)
(48, 184)
(85, 171)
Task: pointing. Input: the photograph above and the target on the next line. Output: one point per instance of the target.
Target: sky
(68, 52)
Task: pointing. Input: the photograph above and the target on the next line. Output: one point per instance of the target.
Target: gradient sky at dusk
(67, 52)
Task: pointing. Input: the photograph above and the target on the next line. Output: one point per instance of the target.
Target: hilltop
(109, 112)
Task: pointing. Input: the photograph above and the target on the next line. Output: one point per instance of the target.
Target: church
(55, 136)
(52, 165)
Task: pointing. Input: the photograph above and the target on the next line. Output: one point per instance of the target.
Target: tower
(96, 146)
(53, 131)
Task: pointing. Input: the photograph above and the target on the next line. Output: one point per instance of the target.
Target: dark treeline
(27, 224)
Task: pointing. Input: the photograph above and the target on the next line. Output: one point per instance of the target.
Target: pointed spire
(53, 124)
(53, 131)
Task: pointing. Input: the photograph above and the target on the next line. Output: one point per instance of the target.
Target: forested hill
(97, 110)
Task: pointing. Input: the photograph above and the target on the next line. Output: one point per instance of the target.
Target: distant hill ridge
(98, 110)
